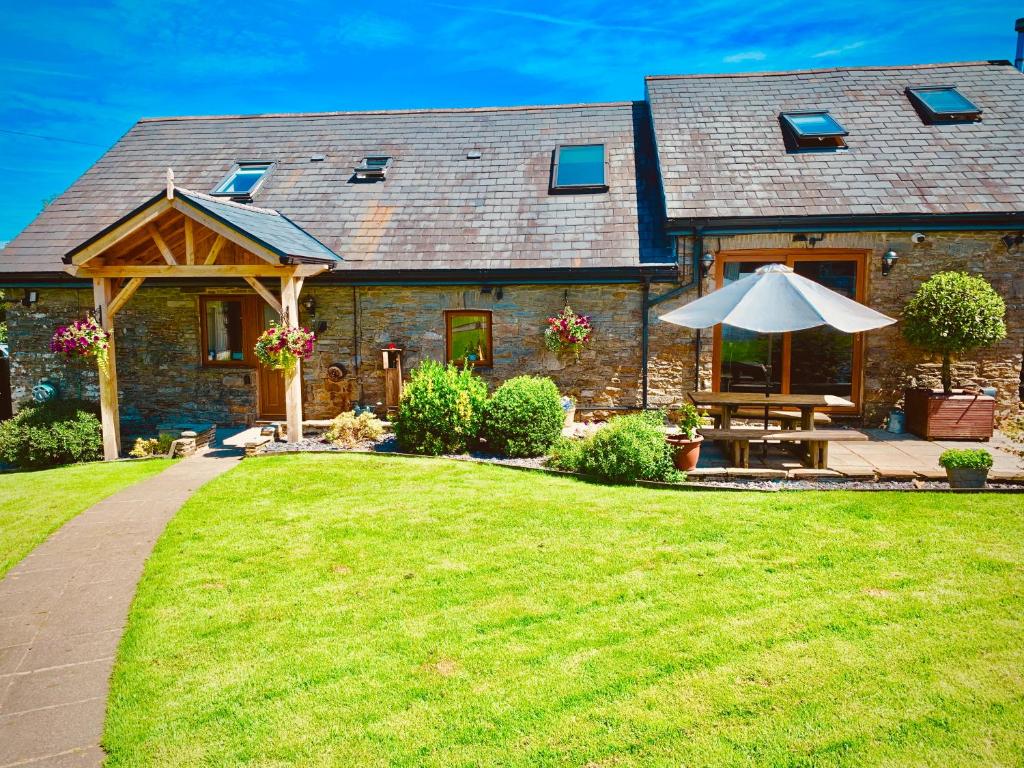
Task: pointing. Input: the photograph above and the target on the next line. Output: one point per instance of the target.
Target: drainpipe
(645, 305)
(698, 253)
(1018, 61)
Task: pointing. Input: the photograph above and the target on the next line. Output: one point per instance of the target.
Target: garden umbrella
(775, 299)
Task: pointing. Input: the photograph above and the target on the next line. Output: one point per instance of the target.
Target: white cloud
(830, 52)
(745, 56)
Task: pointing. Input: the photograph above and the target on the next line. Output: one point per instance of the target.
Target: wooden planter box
(959, 416)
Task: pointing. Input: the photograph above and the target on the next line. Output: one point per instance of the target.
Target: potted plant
(952, 313)
(83, 338)
(967, 468)
(686, 444)
(568, 331)
(282, 346)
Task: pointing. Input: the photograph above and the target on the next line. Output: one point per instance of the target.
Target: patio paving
(884, 455)
(64, 607)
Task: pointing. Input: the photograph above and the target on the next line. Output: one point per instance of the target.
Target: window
(940, 104)
(243, 180)
(223, 331)
(373, 167)
(812, 130)
(579, 168)
(468, 336)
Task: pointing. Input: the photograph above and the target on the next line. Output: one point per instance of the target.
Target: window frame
(235, 168)
(798, 140)
(556, 159)
(250, 330)
(449, 315)
(930, 116)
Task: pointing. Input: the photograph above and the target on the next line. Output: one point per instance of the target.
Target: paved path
(63, 610)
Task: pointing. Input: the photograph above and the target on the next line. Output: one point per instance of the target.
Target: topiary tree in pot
(951, 313)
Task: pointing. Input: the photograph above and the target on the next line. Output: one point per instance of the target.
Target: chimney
(1018, 62)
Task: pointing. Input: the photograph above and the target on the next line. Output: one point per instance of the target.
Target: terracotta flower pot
(961, 477)
(685, 452)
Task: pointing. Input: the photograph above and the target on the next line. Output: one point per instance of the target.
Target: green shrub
(524, 417)
(688, 419)
(966, 458)
(951, 313)
(349, 430)
(567, 454)
(441, 409)
(58, 432)
(630, 448)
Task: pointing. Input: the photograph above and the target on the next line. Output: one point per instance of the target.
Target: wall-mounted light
(889, 259)
(1012, 241)
(30, 298)
(310, 304)
(707, 261)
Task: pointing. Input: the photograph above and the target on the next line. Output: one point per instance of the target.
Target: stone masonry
(161, 377)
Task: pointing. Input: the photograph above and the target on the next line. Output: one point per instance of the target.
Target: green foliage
(349, 430)
(630, 448)
(966, 458)
(441, 410)
(688, 419)
(3, 319)
(524, 417)
(57, 432)
(952, 313)
(152, 446)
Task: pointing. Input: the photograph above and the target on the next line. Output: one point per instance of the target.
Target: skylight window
(579, 168)
(938, 104)
(812, 130)
(373, 167)
(243, 179)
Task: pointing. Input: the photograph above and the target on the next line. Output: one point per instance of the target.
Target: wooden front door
(270, 387)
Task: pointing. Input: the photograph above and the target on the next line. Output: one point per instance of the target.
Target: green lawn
(35, 504)
(370, 611)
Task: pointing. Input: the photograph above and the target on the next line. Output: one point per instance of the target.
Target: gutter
(889, 222)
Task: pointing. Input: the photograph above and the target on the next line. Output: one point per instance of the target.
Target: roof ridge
(349, 113)
(228, 201)
(824, 70)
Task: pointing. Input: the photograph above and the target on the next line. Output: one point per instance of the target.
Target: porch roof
(263, 226)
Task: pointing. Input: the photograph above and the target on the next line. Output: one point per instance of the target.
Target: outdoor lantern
(310, 305)
(30, 298)
(707, 261)
(889, 258)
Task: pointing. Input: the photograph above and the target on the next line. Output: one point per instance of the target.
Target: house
(449, 233)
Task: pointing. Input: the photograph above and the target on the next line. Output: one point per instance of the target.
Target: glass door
(821, 361)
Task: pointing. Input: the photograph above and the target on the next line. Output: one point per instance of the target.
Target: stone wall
(890, 363)
(160, 375)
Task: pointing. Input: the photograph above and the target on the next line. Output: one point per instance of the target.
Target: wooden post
(110, 416)
(290, 288)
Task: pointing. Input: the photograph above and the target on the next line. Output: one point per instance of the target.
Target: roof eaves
(829, 70)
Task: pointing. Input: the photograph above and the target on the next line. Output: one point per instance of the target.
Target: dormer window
(579, 168)
(243, 180)
(373, 167)
(815, 130)
(943, 104)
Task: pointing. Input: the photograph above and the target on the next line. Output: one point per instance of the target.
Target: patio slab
(63, 610)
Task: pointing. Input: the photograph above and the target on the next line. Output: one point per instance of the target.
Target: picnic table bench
(816, 441)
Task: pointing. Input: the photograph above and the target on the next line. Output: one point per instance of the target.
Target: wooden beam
(110, 417)
(121, 231)
(183, 271)
(293, 378)
(299, 280)
(161, 245)
(268, 297)
(124, 294)
(222, 229)
(215, 247)
(190, 243)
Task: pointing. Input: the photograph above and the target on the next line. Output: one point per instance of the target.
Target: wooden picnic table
(730, 402)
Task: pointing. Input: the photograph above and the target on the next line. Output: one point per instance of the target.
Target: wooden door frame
(789, 256)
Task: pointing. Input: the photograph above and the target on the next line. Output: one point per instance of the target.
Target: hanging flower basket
(281, 347)
(568, 331)
(83, 338)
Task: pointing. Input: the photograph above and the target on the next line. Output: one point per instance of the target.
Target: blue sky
(74, 76)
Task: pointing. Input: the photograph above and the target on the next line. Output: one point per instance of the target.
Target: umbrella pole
(767, 393)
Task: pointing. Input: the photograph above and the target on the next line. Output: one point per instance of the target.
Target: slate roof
(721, 150)
(437, 209)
